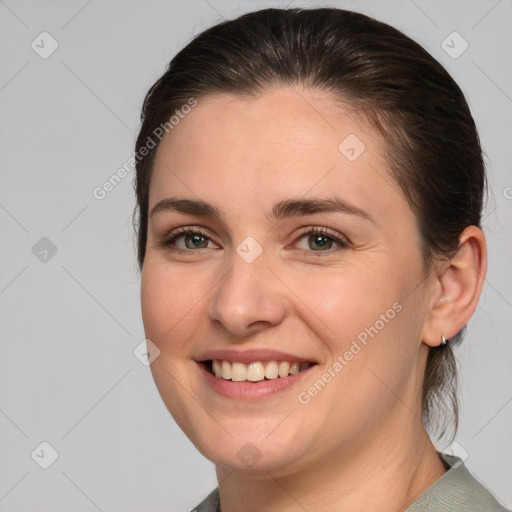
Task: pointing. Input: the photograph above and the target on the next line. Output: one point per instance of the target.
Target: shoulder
(210, 504)
(457, 491)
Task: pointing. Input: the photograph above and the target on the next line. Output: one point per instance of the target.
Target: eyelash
(169, 240)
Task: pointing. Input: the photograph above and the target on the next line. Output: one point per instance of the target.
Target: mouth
(256, 371)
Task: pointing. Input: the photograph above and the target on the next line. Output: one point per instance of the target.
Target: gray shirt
(456, 491)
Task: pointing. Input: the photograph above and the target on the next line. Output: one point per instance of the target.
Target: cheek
(169, 302)
(370, 324)
(350, 300)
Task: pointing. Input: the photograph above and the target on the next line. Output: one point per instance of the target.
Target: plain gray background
(69, 304)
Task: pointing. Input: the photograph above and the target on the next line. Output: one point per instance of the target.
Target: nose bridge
(247, 294)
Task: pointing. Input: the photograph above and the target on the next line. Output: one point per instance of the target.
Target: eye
(186, 240)
(317, 240)
(321, 240)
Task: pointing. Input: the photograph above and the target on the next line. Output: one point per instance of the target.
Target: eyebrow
(283, 209)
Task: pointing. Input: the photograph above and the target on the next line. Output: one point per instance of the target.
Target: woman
(309, 192)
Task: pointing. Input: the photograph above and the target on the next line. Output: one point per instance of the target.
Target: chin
(249, 449)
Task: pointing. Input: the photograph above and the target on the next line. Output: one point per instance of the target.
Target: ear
(456, 288)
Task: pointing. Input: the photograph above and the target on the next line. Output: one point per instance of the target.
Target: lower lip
(250, 390)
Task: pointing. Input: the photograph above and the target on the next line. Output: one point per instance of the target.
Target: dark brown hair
(387, 79)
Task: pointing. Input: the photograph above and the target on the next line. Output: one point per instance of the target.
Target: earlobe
(458, 288)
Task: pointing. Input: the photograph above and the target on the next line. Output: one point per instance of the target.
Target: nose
(248, 298)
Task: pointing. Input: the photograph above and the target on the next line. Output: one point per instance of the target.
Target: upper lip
(251, 356)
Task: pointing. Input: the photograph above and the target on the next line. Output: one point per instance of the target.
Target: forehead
(285, 141)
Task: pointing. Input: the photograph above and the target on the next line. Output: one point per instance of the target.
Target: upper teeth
(256, 371)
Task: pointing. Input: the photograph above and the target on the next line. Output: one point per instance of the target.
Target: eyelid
(324, 231)
(169, 238)
(340, 240)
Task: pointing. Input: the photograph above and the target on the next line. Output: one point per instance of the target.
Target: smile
(256, 371)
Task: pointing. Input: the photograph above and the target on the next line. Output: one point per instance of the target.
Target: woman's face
(298, 248)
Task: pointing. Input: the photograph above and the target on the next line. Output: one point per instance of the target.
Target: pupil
(194, 241)
(321, 241)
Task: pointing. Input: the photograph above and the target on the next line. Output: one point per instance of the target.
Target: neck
(384, 472)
